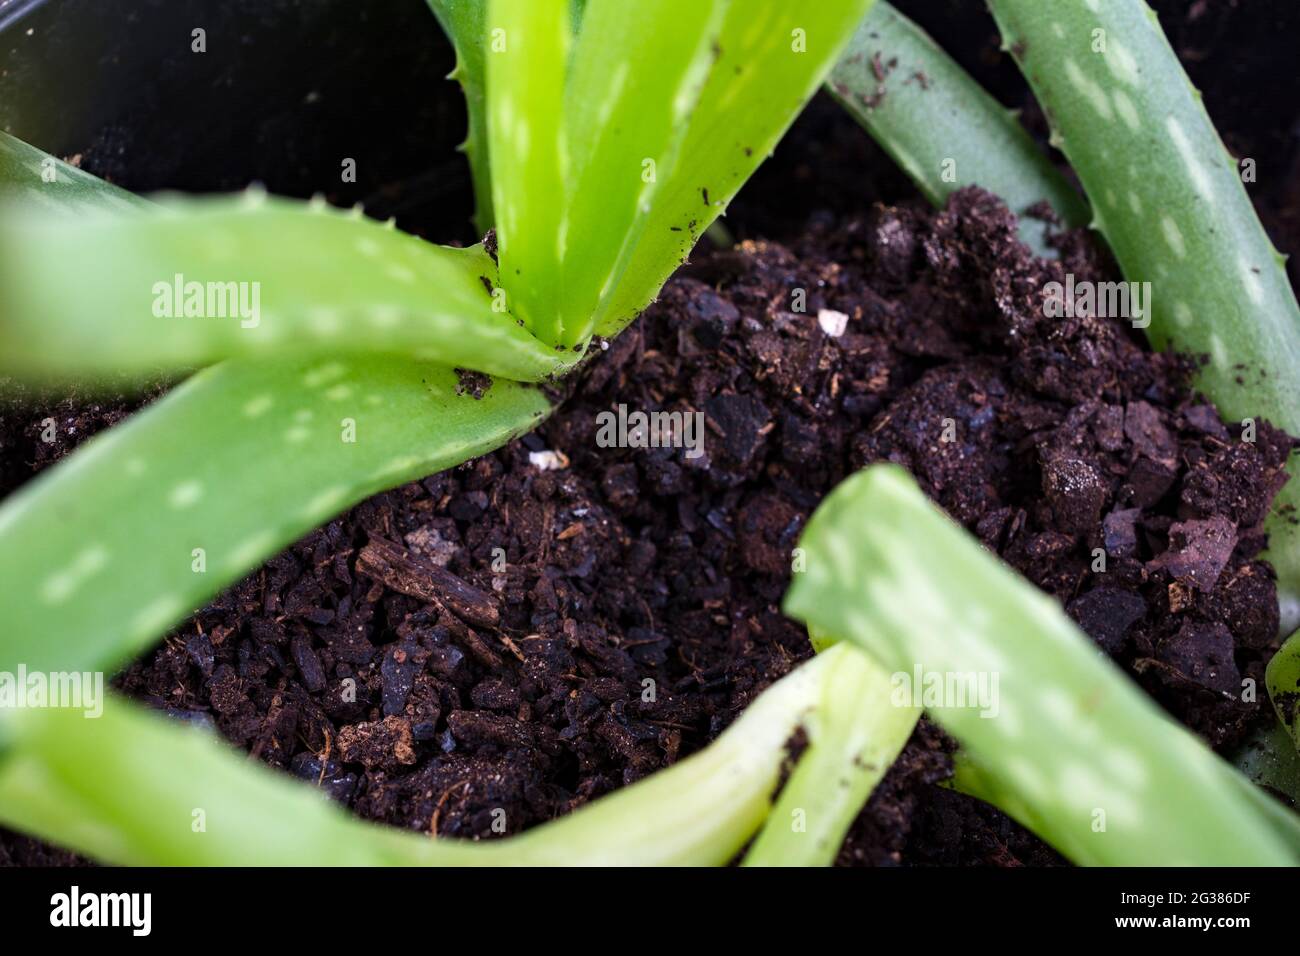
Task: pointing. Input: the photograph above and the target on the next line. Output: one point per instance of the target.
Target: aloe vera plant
(400, 299)
(604, 137)
(337, 381)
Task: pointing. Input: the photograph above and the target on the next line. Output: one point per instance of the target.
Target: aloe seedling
(407, 304)
(603, 139)
(600, 153)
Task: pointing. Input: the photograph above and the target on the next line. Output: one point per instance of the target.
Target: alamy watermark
(620, 428)
(72, 690)
(1105, 300)
(133, 911)
(179, 299)
(946, 689)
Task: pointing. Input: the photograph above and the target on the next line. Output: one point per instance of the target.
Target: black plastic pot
(286, 90)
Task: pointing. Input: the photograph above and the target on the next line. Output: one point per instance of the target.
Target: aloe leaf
(941, 127)
(33, 178)
(1270, 760)
(1256, 770)
(1170, 201)
(853, 738)
(464, 22)
(147, 521)
(1078, 751)
(129, 786)
(772, 56)
(636, 73)
(196, 281)
(527, 57)
(1283, 679)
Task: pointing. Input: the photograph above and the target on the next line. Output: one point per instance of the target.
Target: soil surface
(479, 640)
(517, 685)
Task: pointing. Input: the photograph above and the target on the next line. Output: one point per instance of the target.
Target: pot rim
(11, 11)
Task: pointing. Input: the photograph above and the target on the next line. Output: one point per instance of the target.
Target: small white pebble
(833, 323)
(548, 460)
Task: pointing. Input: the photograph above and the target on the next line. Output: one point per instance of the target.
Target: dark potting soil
(498, 621)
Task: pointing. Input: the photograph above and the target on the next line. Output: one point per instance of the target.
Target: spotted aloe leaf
(1064, 741)
(147, 521)
(941, 127)
(1170, 201)
(123, 788)
(770, 58)
(194, 281)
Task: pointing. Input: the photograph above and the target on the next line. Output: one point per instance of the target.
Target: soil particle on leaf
(474, 384)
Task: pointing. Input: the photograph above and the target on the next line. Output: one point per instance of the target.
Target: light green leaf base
(853, 738)
(135, 788)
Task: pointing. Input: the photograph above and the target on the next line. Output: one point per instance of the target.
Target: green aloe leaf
(941, 127)
(1073, 748)
(130, 787)
(527, 61)
(1283, 679)
(635, 76)
(853, 738)
(464, 22)
(1269, 759)
(147, 521)
(196, 281)
(1170, 201)
(771, 57)
(30, 177)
